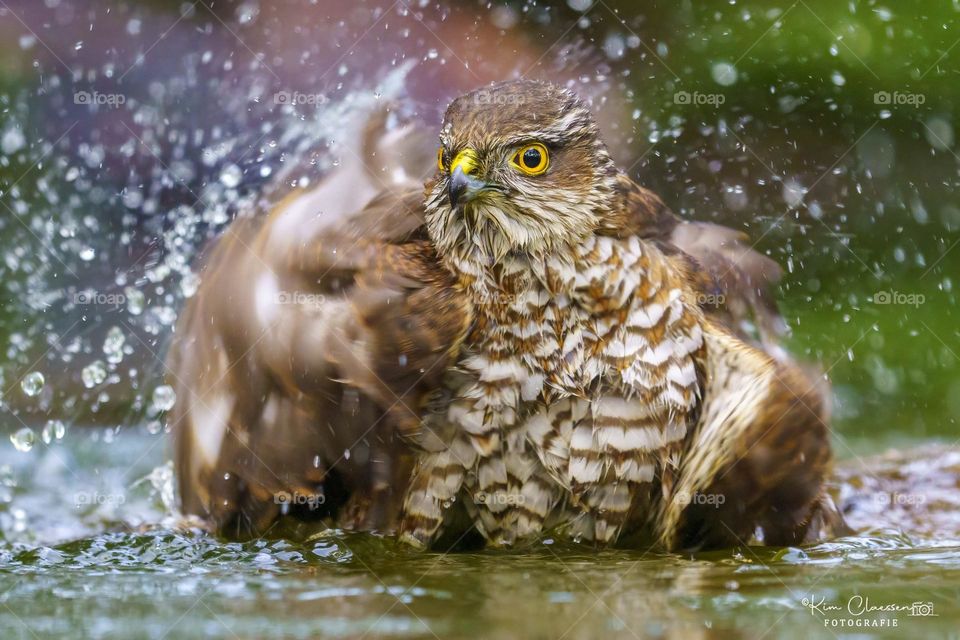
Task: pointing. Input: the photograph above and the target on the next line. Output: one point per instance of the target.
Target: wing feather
(758, 456)
(315, 339)
(734, 281)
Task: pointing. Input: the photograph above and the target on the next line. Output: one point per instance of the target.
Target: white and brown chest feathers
(572, 399)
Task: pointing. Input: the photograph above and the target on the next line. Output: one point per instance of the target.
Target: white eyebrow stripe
(557, 132)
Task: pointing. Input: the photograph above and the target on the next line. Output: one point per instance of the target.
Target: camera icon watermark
(901, 499)
(898, 298)
(113, 100)
(499, 498)
(296, 498)
(698, 98)
(295, 98)
(898, 98)
(685, 498)
(90, 297)
(97, 499)
(715, 300)
(490, 98)
(701, 299)
(301, 298)
(495, 298)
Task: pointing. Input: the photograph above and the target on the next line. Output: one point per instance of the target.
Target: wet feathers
(520, 354)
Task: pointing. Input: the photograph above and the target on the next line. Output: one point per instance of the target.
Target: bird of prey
(530, 343)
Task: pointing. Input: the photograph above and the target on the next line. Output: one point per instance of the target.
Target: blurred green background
(824, 130)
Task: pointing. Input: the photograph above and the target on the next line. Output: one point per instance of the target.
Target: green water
(118, 566)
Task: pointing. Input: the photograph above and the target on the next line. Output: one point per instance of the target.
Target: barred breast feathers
(585, 364)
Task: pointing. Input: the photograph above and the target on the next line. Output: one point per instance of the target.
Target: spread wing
(733, 280)
(300, 364)
(759, 451)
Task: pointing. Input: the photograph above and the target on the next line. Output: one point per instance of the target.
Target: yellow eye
(532, 159)
(440, 159)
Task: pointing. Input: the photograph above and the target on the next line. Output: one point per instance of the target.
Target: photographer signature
(861, 605)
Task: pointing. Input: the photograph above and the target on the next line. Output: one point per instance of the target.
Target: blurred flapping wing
(302, 361)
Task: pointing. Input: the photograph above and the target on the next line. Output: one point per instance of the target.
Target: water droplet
(724, 74)
(93, 374)
(614, 46)
(12, 141)
(135, 300)
(735, 197)
(132, 198)
(23, 439)
(113, 345)
(247, 12)
(793, 192)
(32, 383)
(230, 176)
(189, 284)
(939, 133)
(164, 398)
(503, 17)
(53, 430)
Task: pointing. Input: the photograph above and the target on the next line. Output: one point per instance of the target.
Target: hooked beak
(463, 187)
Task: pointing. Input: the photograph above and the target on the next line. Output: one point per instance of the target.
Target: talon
(412, 540)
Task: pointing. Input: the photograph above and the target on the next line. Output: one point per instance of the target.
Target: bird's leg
(548, 431)
(613, 457)
(433, 489)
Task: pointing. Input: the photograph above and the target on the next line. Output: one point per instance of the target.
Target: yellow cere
(466, 160)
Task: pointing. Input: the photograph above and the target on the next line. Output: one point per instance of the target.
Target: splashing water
(32, 383)
(23, 439)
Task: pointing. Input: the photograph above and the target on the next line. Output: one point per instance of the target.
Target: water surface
(89, 550)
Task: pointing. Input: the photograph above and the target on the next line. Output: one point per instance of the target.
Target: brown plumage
(534, 343)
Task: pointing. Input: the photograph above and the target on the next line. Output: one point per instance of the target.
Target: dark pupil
(531, 158)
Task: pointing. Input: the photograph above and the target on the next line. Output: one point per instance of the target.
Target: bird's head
(521, 170)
